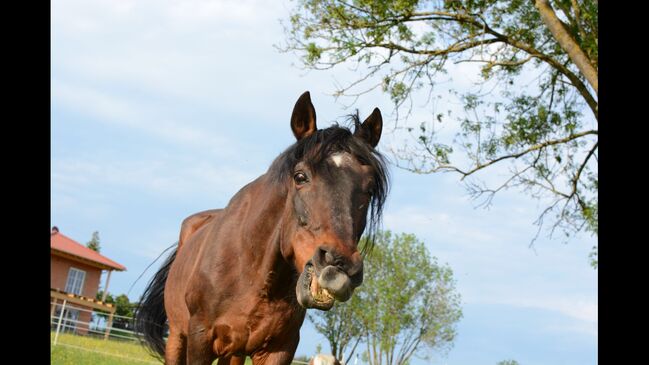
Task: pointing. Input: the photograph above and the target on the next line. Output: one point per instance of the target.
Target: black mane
(315, 148)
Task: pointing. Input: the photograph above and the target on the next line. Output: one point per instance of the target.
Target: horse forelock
(324, 143)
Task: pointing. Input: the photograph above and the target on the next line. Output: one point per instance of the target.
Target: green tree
(508, 362)
(123, 307)
(534, 110)
(406, 305)
(302, 358)
(93, 244)
(341, 327)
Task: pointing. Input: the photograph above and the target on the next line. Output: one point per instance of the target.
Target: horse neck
(259, 209)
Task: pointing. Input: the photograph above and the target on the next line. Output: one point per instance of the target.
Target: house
(75, 277)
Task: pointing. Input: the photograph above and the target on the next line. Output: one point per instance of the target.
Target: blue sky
(164, 108)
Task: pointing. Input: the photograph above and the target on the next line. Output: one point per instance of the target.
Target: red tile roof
(62, 243)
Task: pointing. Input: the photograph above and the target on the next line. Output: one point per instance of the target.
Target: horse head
(333, 179)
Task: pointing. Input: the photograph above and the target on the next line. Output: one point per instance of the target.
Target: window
(76, 278)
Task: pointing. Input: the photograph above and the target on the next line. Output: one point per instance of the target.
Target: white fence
(65, 318)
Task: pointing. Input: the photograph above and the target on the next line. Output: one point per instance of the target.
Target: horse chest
(257, 328)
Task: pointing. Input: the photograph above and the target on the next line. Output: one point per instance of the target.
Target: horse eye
(300, 178)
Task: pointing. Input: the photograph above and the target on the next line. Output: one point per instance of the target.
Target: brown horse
(242, 277)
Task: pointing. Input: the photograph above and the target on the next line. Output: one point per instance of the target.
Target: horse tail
(150, 315)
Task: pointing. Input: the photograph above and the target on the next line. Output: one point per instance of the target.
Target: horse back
(194, 222)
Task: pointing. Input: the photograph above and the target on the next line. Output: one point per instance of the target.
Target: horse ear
(370, 130)
(303, 118)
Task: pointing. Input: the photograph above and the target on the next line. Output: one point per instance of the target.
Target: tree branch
(442, 167)
(500, 63)
(472, 19)
(566, 42)
(454, 48)
(477, 191)
(574, 79)
(358, 340)
(575, 180)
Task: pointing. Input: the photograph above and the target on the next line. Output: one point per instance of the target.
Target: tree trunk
(566, 42)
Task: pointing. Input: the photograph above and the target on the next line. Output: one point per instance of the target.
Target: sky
(160, 109)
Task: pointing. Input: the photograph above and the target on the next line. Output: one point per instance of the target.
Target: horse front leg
(176, 348)
(199, 344)
(280, 354)
(232, 360)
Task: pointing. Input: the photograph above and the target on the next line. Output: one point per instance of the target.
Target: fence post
(53, 308)
(58, 325)
(109, 325)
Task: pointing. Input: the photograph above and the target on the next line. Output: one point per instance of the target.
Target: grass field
(81, 350)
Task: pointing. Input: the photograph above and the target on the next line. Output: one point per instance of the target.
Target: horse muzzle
(321, 289)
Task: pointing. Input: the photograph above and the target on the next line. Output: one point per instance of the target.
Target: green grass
(81, 350)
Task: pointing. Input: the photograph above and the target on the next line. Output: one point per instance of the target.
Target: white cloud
(198, 52)
(238, 12)
(493, 264)
(441, 225)
(159, 177)
(113, 108)
(582, 312)
(580, 309)
(102, 16)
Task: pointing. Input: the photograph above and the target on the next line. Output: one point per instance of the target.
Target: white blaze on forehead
(340, 158)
